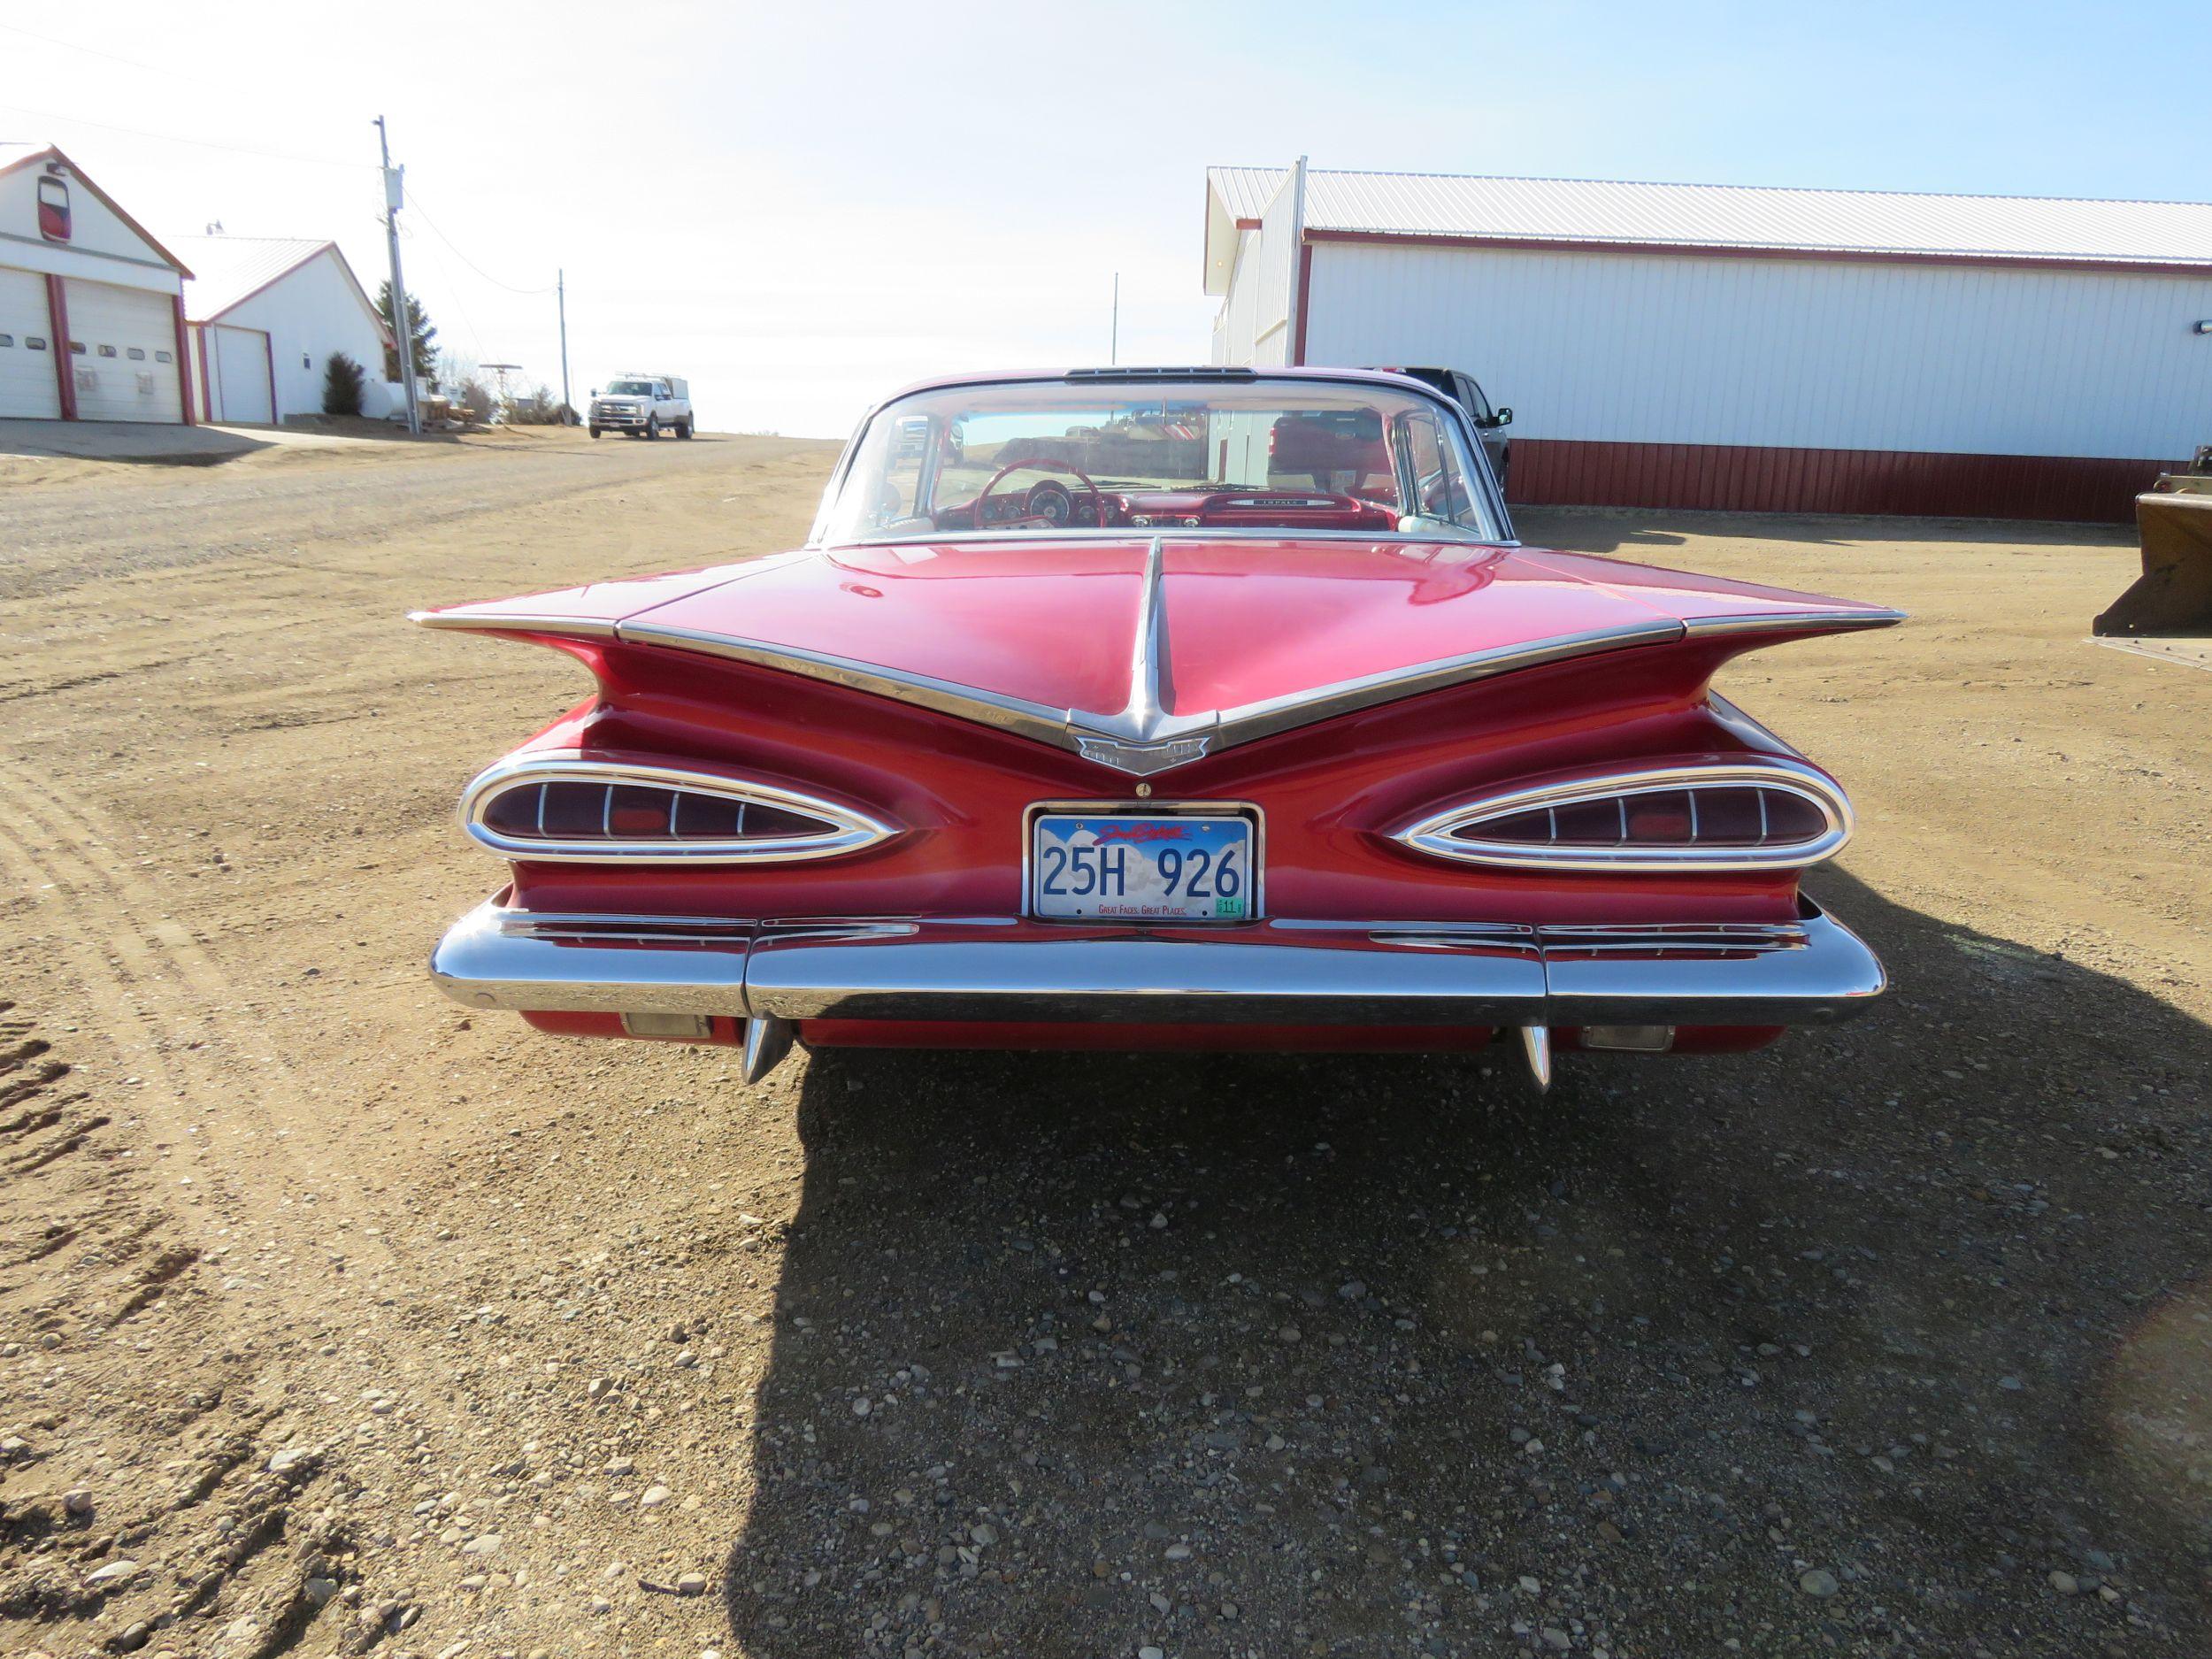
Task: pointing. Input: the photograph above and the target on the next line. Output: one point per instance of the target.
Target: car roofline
(1198, 373)
(1140, 375)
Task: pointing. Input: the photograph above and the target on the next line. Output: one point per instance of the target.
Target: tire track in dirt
(200, 1557)
(177, 988)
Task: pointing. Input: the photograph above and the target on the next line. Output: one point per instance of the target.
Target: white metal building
(265, 314)
(91, 313)
(1717, 346)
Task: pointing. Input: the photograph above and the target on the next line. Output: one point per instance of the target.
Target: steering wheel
(1278, 499)
(1031, 515)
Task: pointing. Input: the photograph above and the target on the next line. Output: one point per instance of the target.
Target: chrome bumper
(1814, 970)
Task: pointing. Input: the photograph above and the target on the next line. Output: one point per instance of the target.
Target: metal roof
(227, 268)
(230, 270)
(1733, 216)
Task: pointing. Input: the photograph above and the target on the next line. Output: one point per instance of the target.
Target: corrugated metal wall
(1673, 355)
(1253, 326)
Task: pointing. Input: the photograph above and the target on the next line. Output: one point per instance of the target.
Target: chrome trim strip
(1264, 719)
(496, 957)
(1753, 733)
(851, 830)
(1167, 740)
(1017, 715)
(1150, 691)
(1238, 975)
(1814, 973)
(1435, 836)
(517, 622)
(1791, 622)
(1811, 971)
(1432, 531)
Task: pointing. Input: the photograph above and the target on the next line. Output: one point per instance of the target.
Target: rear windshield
(1317, 456)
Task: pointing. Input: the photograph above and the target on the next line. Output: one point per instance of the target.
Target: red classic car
(1030, 747)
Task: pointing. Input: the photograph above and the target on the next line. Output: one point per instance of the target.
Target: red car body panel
(1331, 793)
(1055, 623)
(1519, 667)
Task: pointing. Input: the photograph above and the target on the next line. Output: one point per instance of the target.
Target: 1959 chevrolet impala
(1149, 708)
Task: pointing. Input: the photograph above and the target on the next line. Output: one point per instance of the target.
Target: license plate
(1131, 867)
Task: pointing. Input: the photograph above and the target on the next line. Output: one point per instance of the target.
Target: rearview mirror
(1504, 417)
(594, 391)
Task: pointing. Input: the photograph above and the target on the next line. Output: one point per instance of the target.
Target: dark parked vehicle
(1490, 423)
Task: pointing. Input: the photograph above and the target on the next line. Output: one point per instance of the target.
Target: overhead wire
(414, 196)
(414, 200)
(179, 138)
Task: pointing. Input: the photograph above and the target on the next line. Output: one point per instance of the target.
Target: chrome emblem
(1141, 759)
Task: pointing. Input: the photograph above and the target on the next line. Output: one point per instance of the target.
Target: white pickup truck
(644, 405)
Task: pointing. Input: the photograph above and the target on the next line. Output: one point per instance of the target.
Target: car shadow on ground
(1890, 1335)
(1625, 530)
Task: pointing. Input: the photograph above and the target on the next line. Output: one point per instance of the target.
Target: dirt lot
(334, 1318)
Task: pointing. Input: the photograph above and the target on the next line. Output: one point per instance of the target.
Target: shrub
(542, 408)
(344, 382)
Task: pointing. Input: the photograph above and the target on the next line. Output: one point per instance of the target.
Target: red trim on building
(1553, 472)
(1845, 256)
(64, 359)
(1305, 296)
(184, 362)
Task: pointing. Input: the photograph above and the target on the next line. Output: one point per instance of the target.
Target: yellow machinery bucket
(2174, 593)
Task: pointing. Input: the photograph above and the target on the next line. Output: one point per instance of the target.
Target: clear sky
(801, 207)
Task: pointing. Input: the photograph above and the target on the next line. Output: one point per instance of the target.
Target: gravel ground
(334, 1319)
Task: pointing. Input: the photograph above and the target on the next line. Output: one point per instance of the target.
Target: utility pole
(560, 288)
(1113, 347)
(403, 314)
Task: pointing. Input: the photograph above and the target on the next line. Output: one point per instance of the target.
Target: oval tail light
(562, 808)
(1763, 815)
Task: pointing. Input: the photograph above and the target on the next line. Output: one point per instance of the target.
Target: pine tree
(343, 382)
(420, 329)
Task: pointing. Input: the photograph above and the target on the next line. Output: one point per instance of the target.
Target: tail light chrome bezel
(1443, 834)
(847, 829)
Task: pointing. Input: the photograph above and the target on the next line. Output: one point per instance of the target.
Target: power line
(73, 46)
(175, 138)
(454, 288)
(414, 197)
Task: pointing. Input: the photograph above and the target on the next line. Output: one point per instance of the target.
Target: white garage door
(127, 369)
(239, 383)
(27, 348)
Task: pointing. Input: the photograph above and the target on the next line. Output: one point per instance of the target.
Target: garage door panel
(127, 369)
(242, 364)
(28, 387)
